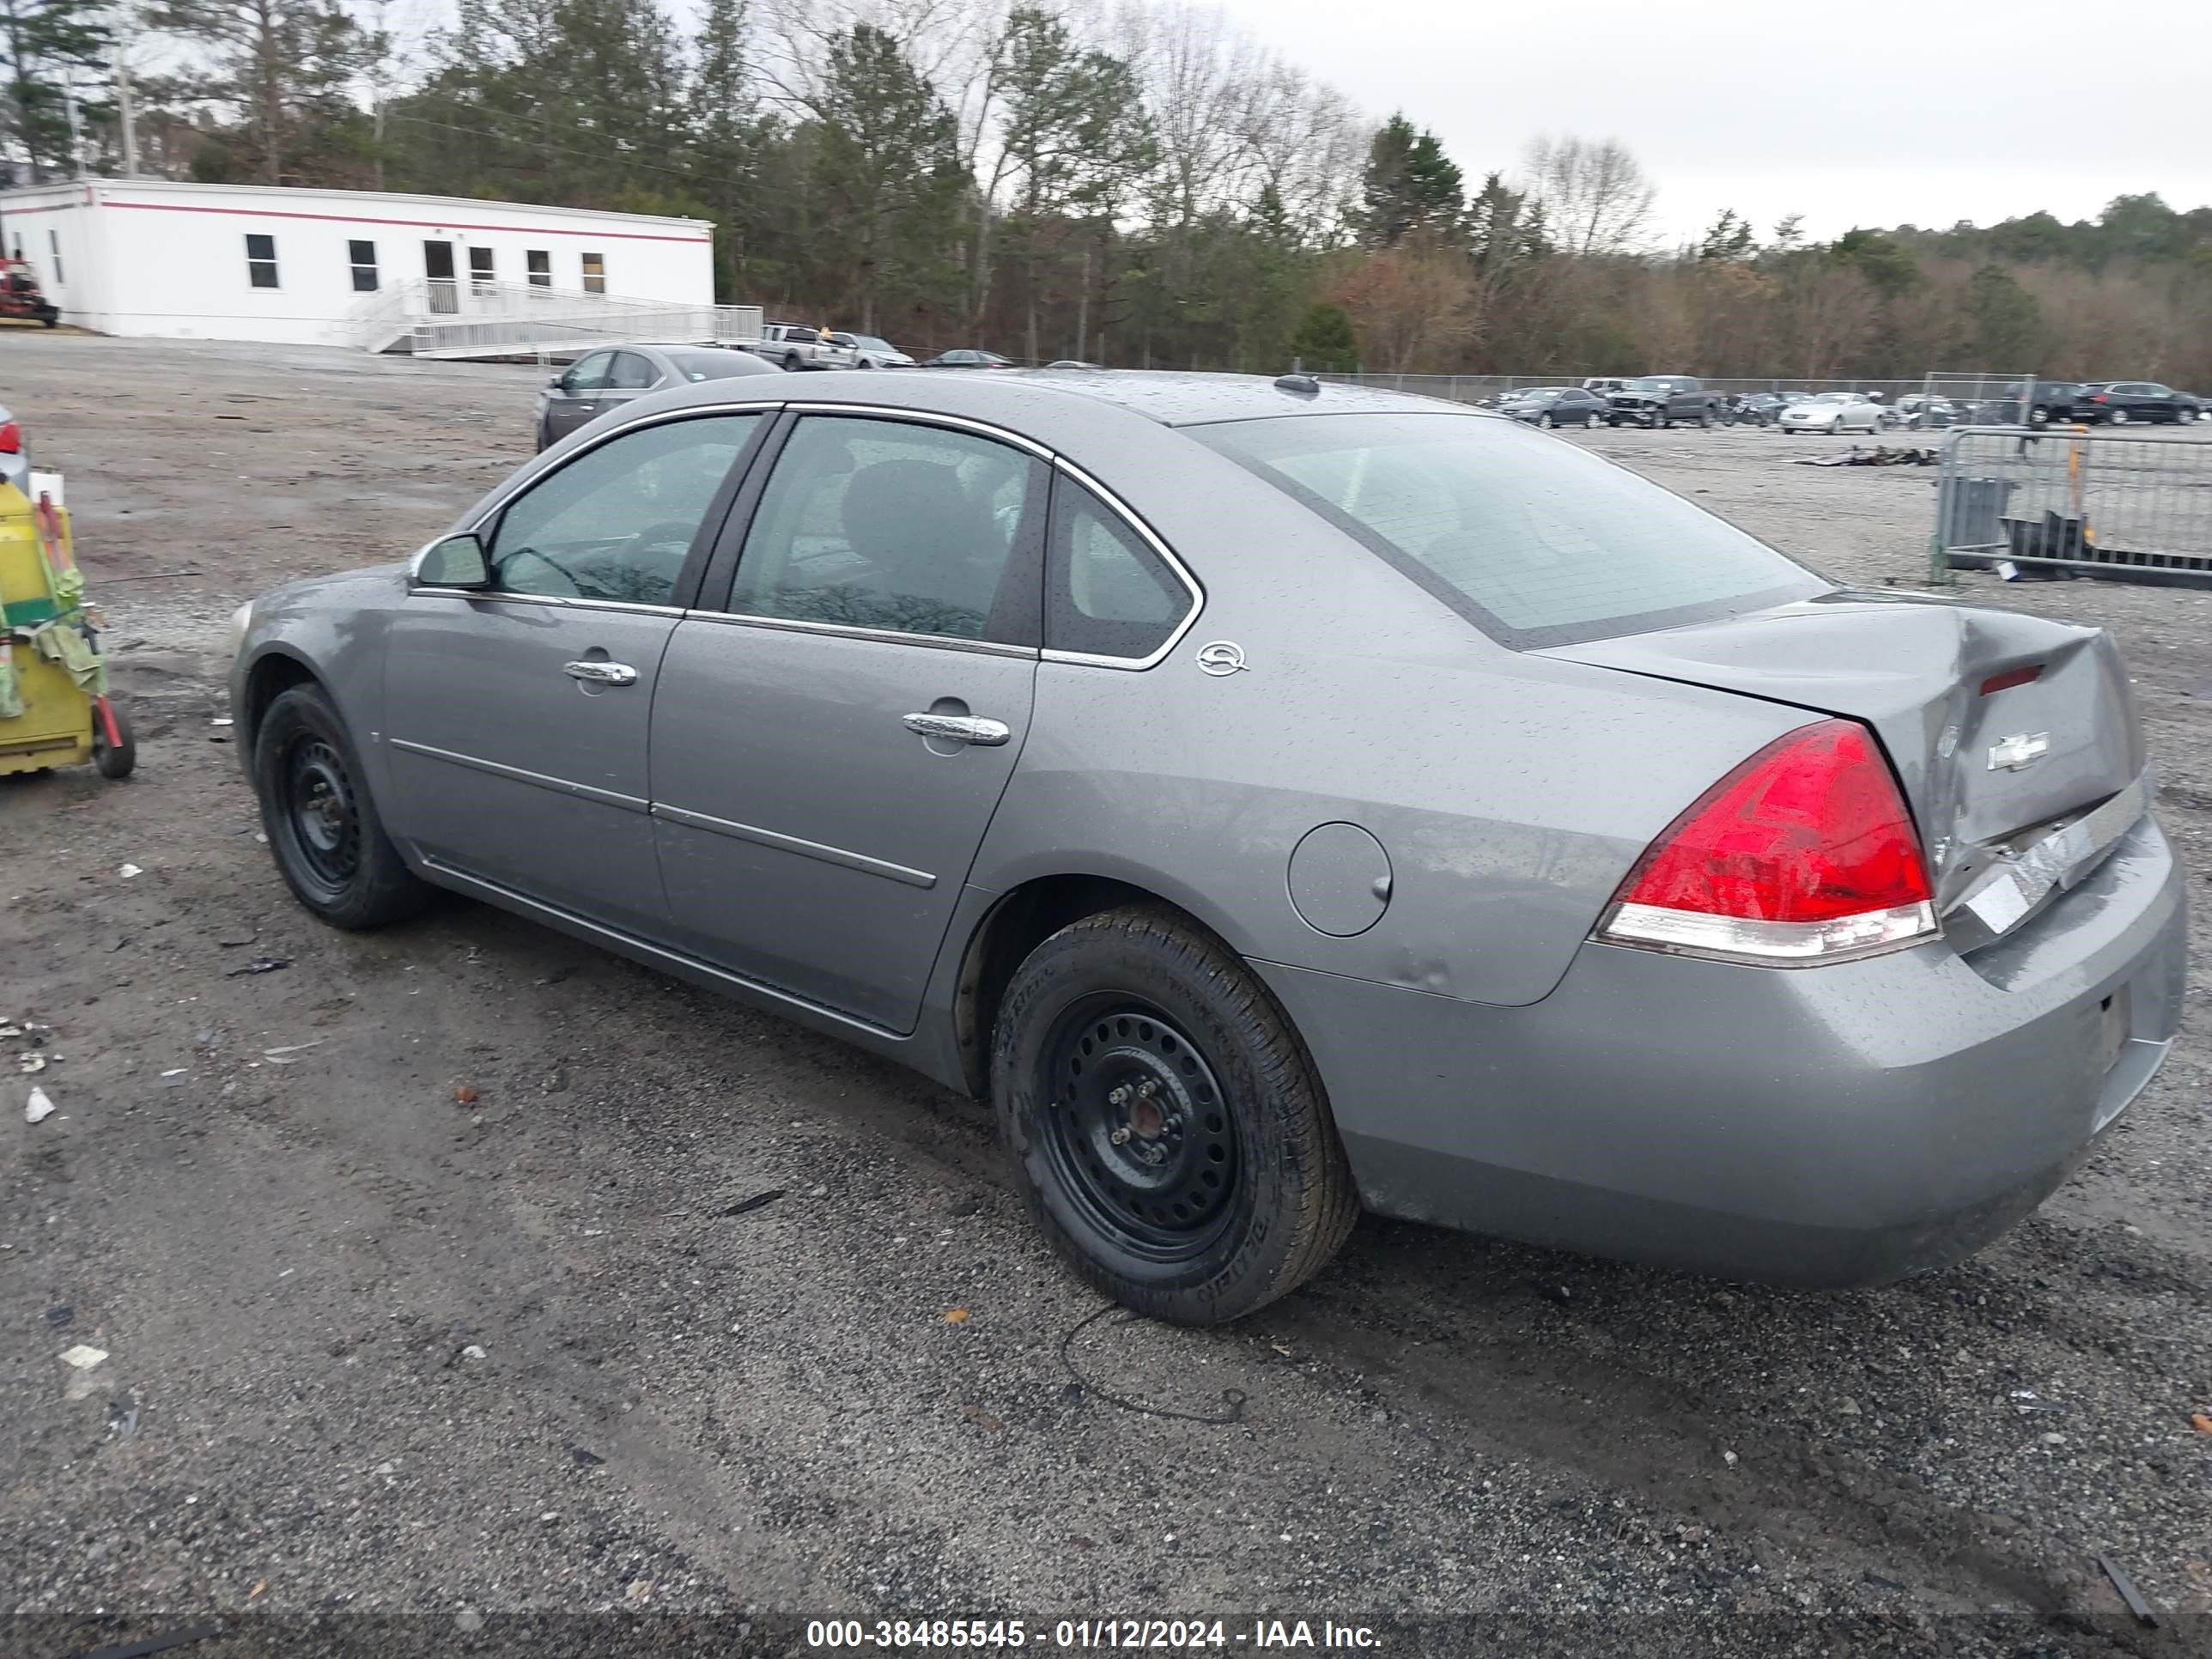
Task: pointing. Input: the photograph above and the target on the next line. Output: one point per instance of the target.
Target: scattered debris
(2129, 1594)
(756, 1201)
(163, 1643)
(221, 719)
(958, 1316)
(231, 941)
(983, 1421)
(465, 1095)
(588, 1459)
(259, 965)
(2201, 1421)
(61, 1315)
(2025, 1400)
(1729, 1458)
(468, 1620)
(84, 1357)
(1881, 455)
(40, 1109)
(1079, 1385)
(286, 1055)
(970, 1205)
(260, 1589)
(472, 1352)
(128, 871)
(30, 1065)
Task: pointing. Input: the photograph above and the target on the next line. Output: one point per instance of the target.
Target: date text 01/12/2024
(1157, 1635)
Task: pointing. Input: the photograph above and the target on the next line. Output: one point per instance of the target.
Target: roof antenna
(1298, 381)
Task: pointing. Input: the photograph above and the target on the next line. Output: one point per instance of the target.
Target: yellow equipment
(54, 705)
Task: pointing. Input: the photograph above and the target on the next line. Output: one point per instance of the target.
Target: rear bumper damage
(1834, 1126)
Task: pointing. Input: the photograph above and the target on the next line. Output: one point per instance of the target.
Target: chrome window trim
(521, 774)
(929, 418)
(1165, 554)
(874, 636)
(559, 600)
(842, 857)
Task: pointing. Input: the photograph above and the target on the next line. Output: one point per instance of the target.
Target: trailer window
(362, 256)
(481, 271)
(54, 246)
(260, 260)
(541, 267)
(595, 273)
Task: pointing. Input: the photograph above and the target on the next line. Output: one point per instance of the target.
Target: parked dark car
(1553, 406)
(964, 358)
(601, 380)
(2054, 401)
(1660, 400)
(2117, 403)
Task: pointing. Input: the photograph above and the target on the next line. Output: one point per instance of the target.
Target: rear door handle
(960, 728)
(606, 673)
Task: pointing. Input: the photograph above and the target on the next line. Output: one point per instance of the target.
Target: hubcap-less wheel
(326, 824)
(1137, 1130)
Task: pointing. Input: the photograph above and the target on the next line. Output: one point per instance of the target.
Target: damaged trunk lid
(2016, 738)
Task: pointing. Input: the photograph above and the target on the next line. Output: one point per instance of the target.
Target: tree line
(1148, 186)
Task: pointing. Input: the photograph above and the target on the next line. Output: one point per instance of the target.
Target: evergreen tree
(286, 64)
(1410, 185)
(887, 167)
(1325, 342)
(46, 42)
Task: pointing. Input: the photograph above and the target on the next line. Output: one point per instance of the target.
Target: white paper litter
(40, 1109)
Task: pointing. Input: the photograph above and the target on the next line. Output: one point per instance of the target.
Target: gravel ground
(388, 1372)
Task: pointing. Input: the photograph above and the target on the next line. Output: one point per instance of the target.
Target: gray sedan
(1276, 801)
(603, 380)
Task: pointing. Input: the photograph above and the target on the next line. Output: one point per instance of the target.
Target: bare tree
(1595, 196)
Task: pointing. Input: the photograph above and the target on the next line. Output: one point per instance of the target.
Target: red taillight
(2096, 396)
(2012, 677)
(11, 438)
(1804, 853)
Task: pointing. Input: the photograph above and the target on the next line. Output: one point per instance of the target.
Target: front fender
(330, 629)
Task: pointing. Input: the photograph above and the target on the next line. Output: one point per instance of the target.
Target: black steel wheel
(1165, 1123)
(1138, 1130)
(323, 828)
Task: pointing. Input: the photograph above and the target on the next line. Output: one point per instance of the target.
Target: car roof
(1063, 407)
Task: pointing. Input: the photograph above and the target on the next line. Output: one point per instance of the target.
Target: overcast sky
(1852, 113)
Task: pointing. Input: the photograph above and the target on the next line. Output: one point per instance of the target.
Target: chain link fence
(2055, 503)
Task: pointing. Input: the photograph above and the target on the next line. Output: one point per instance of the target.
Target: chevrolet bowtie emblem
(2022, 749)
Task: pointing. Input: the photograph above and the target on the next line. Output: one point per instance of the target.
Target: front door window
(616, 523)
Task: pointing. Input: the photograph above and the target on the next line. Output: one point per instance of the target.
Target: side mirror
(559, 382)
(456, 562)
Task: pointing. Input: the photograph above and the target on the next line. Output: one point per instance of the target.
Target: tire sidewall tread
(1295, 1202)
(384, 889)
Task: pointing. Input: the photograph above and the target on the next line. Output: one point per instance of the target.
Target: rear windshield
(1535, 541)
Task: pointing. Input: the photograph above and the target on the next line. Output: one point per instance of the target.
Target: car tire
(2184, 417)
(323, 828)
(1545, 422)
(1705, 419)
(2119, 418)
(113, 761)
(1228, 1186)
(792, 362)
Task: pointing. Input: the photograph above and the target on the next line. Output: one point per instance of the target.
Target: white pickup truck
(802, 345)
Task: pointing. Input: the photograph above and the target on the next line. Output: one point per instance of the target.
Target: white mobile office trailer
(336, 267)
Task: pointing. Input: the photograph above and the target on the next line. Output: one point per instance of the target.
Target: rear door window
(896, 527)
(1537, 543)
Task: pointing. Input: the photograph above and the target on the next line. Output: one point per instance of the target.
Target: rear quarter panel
(1511, 792)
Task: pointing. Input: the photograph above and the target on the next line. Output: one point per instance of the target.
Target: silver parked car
(1834, 412)
(603, 380)
(1276, 799)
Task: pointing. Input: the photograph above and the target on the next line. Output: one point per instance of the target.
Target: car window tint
(617, 522)
(1107, 594)
(632, 373)
(1537, 543)
(591, 373)
(889, 524)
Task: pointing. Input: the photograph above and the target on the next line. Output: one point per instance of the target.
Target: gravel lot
(400, 1366)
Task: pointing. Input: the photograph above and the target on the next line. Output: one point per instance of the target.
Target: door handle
(606, 673)
(960, 728)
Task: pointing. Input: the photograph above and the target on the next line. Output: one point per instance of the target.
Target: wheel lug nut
(1147, 1089)
(1120, 1137)
(1120, 1096)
